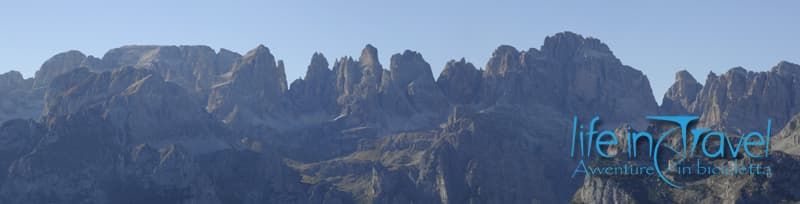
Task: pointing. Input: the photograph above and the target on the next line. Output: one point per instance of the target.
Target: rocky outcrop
(137, 102)
(59, 64)
(410, 87)
(460, 81)
(13, 80)
(472, 147)
(373, 97)
(788, 140)
(17, 138)
(316, 91)
(357, 87)
(681, 95)
(95, 64)
(597, 81)
(742, 100)
(597, 190)
(195, 68)
(18, 99)
(252, 93)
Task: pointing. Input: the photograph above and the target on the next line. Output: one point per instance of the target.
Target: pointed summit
(260, 50)
(369, 57)
(681, 95)
(684, 76)
(255, 87)
(371, 70)
(504, 59)
(318, 60)
(317, 91)
(262, 47)
(258, 62)
(318, 68)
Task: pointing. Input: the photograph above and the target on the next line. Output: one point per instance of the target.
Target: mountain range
(188, 124)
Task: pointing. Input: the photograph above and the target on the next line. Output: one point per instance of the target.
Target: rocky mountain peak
(136, 101)
(11, 75)
(684, 77)
(260, 50)
(460, 81)
(409, 66)
(681, 95)
(72, 91)
(348, 76)
(742, 99)
(11, 80)
(569, 63)
(225, 61)
(18, 99)
(410, 87)
(371, 68)
(318, 67)
(259, 53)
(95, 64)
(504, 59)
(130, 55)
(318, 61)
(194, 67)
(787, 69)
(258, 66)
(252, 93)
(59, 64)
(567, 45)
(316, 91)
(369, 56)
(358, 79)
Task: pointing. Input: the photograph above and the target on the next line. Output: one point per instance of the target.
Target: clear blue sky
(657, 38)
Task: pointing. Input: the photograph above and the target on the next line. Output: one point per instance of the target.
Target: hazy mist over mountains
(190, 124)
